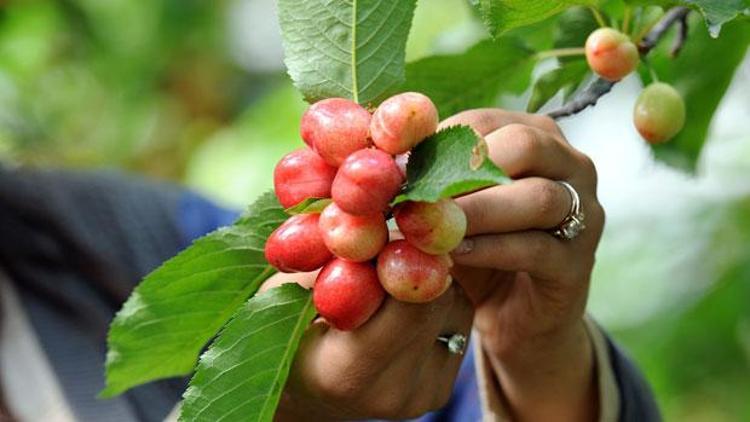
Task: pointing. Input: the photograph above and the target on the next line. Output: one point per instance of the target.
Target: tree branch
(682, 33)
(587, 97)
(672, 16)
(590, 96)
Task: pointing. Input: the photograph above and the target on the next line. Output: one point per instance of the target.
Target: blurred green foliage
(116, 83)
(151, 87)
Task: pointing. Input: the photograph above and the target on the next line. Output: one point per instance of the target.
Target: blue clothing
(60, 230)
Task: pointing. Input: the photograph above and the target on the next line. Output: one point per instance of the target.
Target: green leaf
(573, 27)
(719, 12)
(309, 206)
(452, 162)
(241, 376)
(702, 83)
(538, 36)
(567, 76)
(500, 16)
(181, 305)
(473, 79)
(353, 49)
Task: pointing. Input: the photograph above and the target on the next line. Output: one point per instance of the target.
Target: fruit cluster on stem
(358, 160)
(659, 112)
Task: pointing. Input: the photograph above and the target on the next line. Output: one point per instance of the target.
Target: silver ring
(456, 343)
(572, 225)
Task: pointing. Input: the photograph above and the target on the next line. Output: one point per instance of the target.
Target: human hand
(528, 287)
(392, 367)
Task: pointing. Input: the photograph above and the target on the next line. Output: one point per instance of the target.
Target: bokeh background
(195, 92)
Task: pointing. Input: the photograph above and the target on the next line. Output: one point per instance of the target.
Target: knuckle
(338, 389)
(545, 122)
(344, 381)
(601, 212)
(598, 216)
(588, 167)
(480, 119)
(524, 140)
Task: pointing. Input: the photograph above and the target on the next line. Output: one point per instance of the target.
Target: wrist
(550, 376)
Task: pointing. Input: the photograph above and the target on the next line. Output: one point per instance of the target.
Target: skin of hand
(524, 290)
(392, 367)
(529, 288)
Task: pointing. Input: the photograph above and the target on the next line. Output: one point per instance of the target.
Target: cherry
(353, 237)
(403, 121)
(436, 228)
(366, 182)
(297, 245)
(611, 54)
(411, 275)
(347, 293)
(302, 174)
(659, 113)
(335, 128)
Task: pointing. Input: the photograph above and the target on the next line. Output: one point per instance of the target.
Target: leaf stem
(355, 87)
(651, 70)
(654, 76)
(626, 19)
(598, 16)
(560, 52)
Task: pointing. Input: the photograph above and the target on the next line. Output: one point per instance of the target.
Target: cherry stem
(651, 71)
(598, 16)
(599, 87)
(626, 20)
(560, 52)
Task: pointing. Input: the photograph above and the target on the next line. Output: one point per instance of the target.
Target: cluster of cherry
(358, 160)
(659, 112)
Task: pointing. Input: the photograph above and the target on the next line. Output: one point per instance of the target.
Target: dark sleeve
(75, 244)
(637, 402)
(62, 217)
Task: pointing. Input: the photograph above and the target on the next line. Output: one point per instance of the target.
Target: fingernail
(466, 246)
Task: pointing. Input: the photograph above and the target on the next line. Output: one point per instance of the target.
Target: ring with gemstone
(572, 225)
(456, 343)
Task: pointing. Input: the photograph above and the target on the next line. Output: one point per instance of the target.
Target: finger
(531, 203)
(457, 319)
(396, 326)
(536, 252)
(522, 150)
(487, 120)
(344, 369)
(442, 364)
(427, 362)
